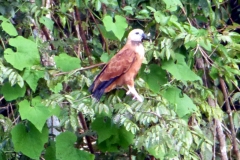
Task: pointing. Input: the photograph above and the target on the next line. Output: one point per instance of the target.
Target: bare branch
(229, 112)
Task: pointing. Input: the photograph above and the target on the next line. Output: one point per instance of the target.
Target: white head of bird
(137, 35)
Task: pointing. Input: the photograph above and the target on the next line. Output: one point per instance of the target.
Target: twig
(229, 112)
(217, 125)
(12, 111)
(104, 45)
(45, 32)
(83, 37)
(229, 132)
(84, 125)
(16, 119)
(80, 69)
(78, 35)
(186, 16)
(1, 98)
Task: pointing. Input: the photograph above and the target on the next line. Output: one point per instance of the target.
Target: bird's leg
(132, 90)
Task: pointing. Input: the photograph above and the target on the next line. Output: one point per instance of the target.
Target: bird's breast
(140, 51)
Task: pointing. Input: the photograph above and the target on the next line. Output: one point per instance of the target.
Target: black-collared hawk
(122, 68)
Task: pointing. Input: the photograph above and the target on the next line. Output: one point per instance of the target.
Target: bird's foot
(134, 93)
(137, 97)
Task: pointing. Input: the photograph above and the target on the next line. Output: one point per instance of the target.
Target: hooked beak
(144, 37)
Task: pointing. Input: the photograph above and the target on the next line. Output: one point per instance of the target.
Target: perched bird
(122, 68)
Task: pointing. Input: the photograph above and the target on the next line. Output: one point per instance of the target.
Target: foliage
(51, 54)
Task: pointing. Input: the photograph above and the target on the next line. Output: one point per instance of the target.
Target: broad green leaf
(12, 92)
(47, 22)
(67, 63)
(205, 43)
(128, 9)
(107, 34)
(183, 104)
(35, 112)
(28, 140)
(111, 136)
(65, 148)
(104, 57)
(56, 88)
(50, 153)
(179, 69)
(161, 18)
(157, 151)
(118, 27)
(236, 119)
(172, 5)
(154, 77)
(9, 28)
(32, 76)
(26, 55)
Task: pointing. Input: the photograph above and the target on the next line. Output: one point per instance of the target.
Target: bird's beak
(144, 37)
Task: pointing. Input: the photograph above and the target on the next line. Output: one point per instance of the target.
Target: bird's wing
(118, 65)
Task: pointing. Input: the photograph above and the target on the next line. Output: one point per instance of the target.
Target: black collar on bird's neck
(136, 43)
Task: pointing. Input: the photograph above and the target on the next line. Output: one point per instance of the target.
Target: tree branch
(84, 125)
(229, 112)
(83, 37)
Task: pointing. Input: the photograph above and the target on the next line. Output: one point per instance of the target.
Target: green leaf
(111, 136)
(50, 153)
(32, 76)
(172, 5)
(157, 151)
(161, 18)
(65, 148)
(104, 57)
(9, 28)
(128, 9)
(35, 109)
(12, 92)
(155, 76)
(184, 104)
(47, 22)
(118, 27)
(67, 63)
(28, 140)
(26, 55)
(107, 34)
(56, 88)
(180, 70)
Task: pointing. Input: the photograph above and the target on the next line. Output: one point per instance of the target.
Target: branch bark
(212, 102)
(83, 37)
(229, 112)
(220, 135)
(84, 125)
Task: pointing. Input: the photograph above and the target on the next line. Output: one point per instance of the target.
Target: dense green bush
(52, 50)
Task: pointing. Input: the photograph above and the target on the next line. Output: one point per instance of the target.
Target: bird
(122, 68)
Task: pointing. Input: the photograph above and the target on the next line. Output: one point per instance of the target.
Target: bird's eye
(137, 32)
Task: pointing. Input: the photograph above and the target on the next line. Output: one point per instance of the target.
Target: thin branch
(189, 21)
(83, 37)
(218, 131)
(11, 108)
(229, 112)
(45, 32)
(78, 36)
(84, 125)
(104, 40)
(80, 69)
(229, 132)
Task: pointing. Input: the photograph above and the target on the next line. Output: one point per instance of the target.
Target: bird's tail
(99, 90)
